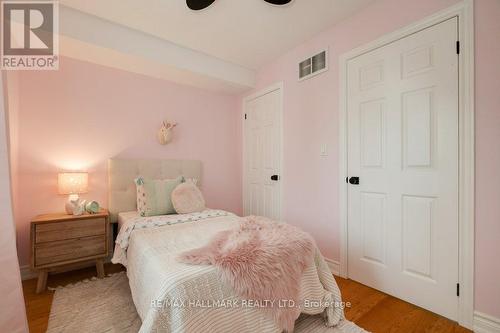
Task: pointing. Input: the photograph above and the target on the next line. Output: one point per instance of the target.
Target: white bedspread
(175, 297)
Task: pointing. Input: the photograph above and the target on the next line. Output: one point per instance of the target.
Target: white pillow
(187, 198)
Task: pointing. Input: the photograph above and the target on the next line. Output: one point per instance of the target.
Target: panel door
(403, 146)
(263, 156)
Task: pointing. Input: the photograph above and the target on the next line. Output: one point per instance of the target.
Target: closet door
(263, 155)
(403, 147)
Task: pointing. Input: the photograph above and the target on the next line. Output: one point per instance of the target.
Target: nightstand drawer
(68, 250)
(48, 232)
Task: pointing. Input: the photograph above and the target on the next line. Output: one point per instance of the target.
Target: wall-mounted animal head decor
(165, 133)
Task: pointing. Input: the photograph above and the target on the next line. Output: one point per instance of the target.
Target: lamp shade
(72, 182)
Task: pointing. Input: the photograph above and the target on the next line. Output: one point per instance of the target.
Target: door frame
(464, 11)
(274, 87)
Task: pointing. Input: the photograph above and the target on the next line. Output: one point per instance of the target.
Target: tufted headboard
(122, 172)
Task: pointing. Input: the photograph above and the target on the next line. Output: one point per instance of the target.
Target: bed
(174, 297)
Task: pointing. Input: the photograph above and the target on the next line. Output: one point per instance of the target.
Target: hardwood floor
(370, 309)
(378, 312)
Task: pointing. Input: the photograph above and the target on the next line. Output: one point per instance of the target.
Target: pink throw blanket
(261, 260)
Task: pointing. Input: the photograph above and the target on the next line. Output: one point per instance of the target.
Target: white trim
(334, 266)
(27, 273)
(484, 323)
(464, 12)
(343, 166)
(262, 92)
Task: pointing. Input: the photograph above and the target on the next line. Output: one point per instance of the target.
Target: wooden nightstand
(59, 240)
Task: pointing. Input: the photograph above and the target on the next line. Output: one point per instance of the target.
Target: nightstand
(61, 240)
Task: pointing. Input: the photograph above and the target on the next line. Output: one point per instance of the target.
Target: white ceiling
(249, 33)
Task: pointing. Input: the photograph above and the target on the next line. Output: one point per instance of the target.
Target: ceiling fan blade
(199, 4)
(278, 2)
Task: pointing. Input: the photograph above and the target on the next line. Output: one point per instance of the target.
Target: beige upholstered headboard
(122, 172)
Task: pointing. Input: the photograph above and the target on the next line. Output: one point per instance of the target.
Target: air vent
(313, 66)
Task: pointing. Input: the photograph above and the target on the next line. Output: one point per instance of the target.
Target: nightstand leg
(42, 281)
(99, 265)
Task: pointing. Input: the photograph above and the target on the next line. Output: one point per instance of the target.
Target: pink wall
(12, 310)
(487, 59)
(83, 114)
(311, 119)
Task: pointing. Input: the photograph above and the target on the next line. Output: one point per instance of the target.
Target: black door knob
(275, 177)
(354, 180)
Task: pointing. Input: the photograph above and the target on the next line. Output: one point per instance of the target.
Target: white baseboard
(484, 323)
(334, 266)
(27, 273)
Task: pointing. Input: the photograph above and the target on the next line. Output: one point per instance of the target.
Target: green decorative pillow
(154, 195)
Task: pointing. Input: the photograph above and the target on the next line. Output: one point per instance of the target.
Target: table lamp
(72, 183)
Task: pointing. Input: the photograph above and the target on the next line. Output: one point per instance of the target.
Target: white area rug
(105, 305)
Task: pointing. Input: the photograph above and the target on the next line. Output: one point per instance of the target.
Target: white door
(262, 194)
(403, 146)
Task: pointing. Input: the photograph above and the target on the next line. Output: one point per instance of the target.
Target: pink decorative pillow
(187, 198)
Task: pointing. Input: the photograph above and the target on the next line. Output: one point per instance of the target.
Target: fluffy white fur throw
(261, 260)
